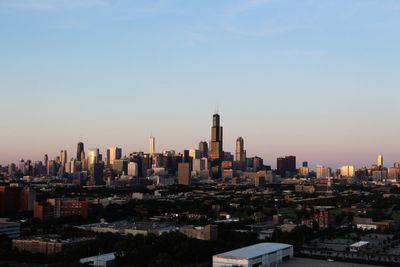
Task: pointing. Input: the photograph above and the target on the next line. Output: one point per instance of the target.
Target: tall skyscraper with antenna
(216, 146)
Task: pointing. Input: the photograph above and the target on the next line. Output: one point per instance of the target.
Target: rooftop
(104, 257)
(360, 244)
(254, 251)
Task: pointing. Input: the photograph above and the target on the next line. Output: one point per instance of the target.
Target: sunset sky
(316, 79)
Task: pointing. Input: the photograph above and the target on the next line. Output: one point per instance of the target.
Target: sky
(318, 79)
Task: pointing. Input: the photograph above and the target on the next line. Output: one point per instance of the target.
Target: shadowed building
(286, 166)
(240, 154)
(203, 147)
(80, 149)
(184, 173)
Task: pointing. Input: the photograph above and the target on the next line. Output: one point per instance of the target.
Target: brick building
(48, 246)
(57, 208)
(208, 232)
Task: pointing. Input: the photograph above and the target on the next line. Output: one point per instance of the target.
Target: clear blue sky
(314, 78)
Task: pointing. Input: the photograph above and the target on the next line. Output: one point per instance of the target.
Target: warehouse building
(260, 255)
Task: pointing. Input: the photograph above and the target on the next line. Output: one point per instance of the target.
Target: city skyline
(318, 79)
(111, 152)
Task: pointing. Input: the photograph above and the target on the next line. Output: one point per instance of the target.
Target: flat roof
(104, 257)
(254, 251)
(359, 244)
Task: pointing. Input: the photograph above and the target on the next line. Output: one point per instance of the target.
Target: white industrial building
(260, 255)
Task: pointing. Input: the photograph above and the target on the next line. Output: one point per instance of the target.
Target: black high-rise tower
(79, 151)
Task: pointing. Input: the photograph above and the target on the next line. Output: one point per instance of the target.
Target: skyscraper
(286, 166)
(79, 151)
(348, 171)
(216, 150)
(152, 145)
(46, 159)
(322, 171)
(63, 157)
(203, 147)
(93, 156)
(184, 173)
(115, 153)
(380, 161)
(240, 155)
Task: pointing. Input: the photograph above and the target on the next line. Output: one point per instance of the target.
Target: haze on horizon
(316, 79)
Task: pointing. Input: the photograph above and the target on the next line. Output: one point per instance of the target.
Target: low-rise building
(208, 232)
(356, 247)
(44, 245)
(263, 254)
(105, 260)
(129, 228)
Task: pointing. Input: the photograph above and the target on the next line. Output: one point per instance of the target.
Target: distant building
(203, 147)
(380, 161)
(208, 232)
(63, 157)
(96, 171)
(304, 171)
(348, 171)
(152, 144)
(133, 169)
(394, 173)
(130, 228)
(115, 154)
(195, 154)
(48, 246)
(216, 145)
(52, 168)
(120, 166)
(240, 153)
(258, 164)
(93, 156)
(80, 149)
(184, 173)
(58, 208)
(322, 171)
(286, 166)
(200, 165)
